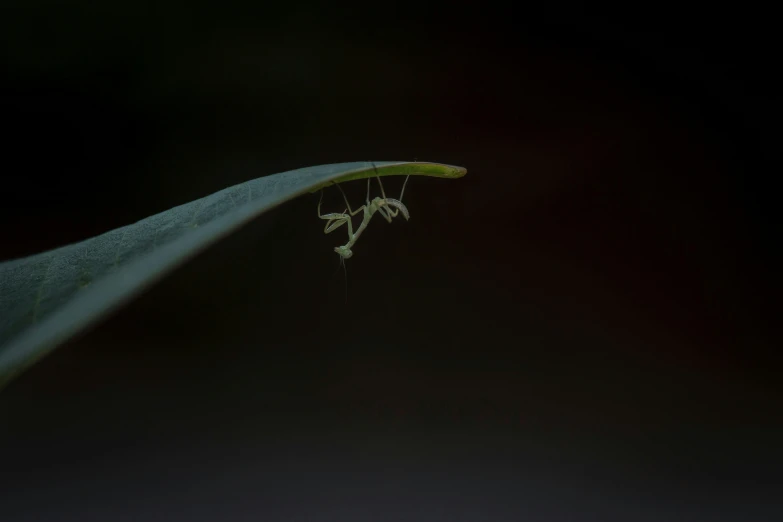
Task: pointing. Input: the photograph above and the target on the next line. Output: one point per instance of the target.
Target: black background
(579, 329)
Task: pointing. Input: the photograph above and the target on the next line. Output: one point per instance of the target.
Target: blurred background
(579, 329)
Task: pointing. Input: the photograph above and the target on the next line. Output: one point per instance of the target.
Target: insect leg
(352, 212)
(403, 186)
(383, 193)
(334, 220)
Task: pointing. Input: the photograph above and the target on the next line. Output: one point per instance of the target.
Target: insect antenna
(345, 271)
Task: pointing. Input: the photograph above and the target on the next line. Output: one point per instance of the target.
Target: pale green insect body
(387, 207)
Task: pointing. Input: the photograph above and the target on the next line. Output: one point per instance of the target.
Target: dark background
(579, 329)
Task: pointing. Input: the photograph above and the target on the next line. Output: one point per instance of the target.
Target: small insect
(387, 207)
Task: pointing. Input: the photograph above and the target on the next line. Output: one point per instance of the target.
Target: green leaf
(47, 298)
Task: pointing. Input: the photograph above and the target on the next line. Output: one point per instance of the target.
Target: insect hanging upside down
(387, 207)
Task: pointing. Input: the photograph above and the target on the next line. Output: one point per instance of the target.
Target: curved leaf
(47, 298)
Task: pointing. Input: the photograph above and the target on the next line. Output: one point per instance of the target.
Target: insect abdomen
(398, 204)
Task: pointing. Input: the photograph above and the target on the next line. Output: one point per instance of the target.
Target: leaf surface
(47, 298)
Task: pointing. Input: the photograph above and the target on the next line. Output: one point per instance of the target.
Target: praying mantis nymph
(387, 207)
